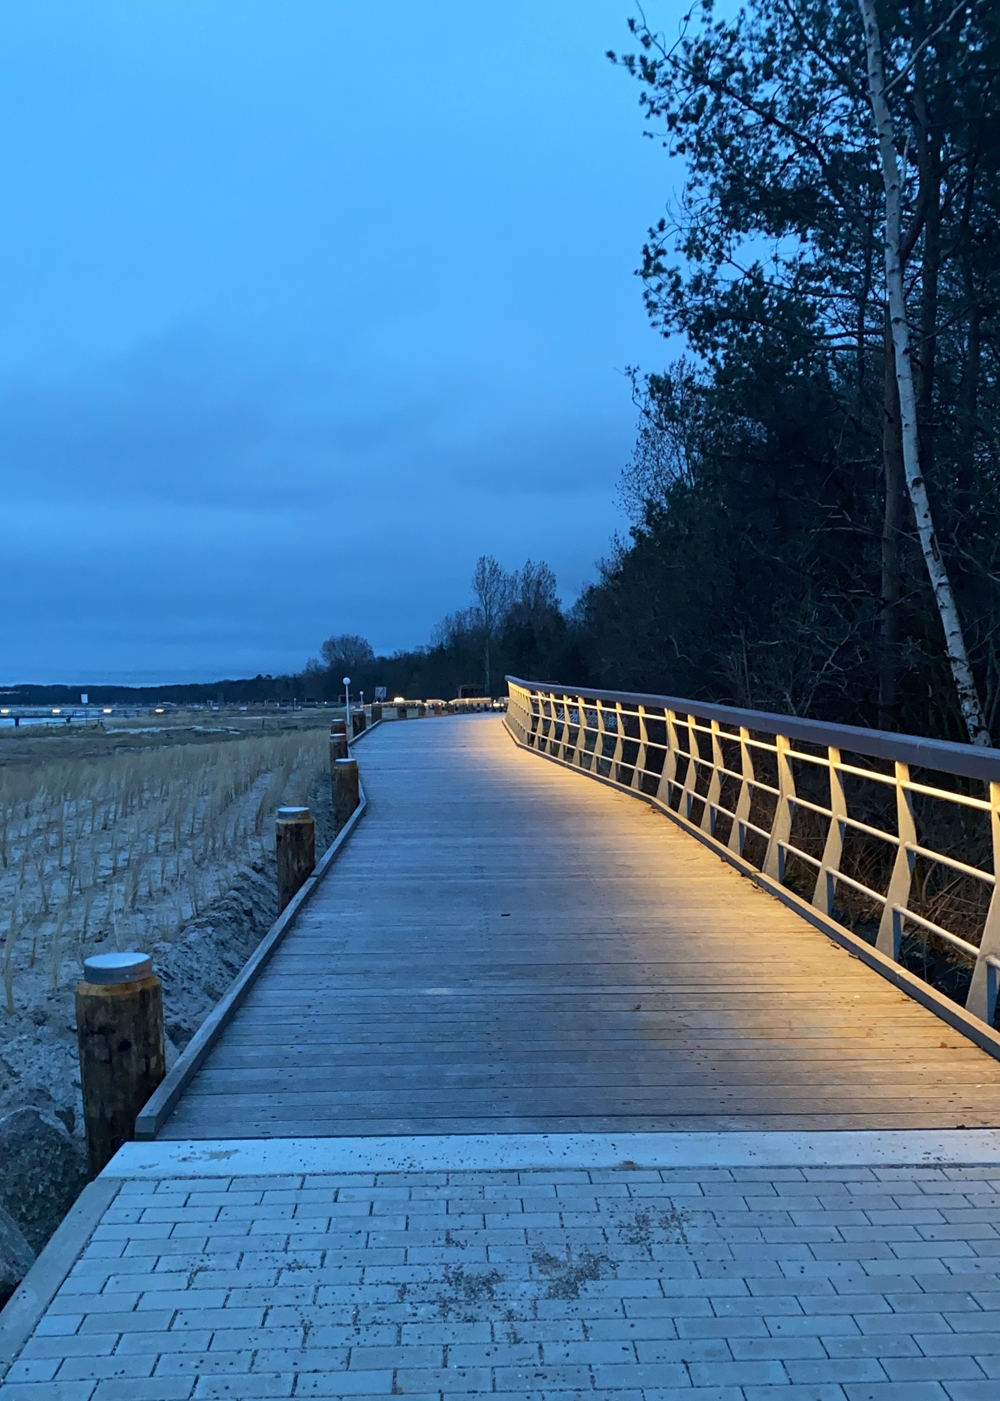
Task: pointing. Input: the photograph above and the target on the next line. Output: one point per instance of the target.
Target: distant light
(107, 710)
(398, 700)
(57, 712)
(159, 710)
(4, 712)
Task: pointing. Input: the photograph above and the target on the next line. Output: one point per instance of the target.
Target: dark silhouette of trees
(775, 558)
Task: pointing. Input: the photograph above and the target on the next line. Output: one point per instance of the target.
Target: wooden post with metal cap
(295, 844)
(119, 1025)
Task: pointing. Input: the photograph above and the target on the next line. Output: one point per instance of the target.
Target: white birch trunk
(958, 657)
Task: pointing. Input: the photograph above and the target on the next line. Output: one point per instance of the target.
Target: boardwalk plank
(506, 946)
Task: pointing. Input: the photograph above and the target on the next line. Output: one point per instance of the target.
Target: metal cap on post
(295, 845)
(346, 791)
(119, 1022)
(108, 969)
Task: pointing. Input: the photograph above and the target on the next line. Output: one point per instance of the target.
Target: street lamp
(347, 708)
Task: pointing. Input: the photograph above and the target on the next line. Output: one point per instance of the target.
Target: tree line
(513, 625)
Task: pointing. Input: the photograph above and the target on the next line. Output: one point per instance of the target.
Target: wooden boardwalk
(509, 947)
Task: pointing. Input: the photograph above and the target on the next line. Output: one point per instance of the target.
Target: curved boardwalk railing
(891, 835)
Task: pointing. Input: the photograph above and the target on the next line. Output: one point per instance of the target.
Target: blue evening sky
(304, 305)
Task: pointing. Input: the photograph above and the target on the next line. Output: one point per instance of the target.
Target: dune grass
(120, 850)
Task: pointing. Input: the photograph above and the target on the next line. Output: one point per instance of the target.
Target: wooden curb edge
(163, 1100)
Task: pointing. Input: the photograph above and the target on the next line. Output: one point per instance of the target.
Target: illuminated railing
(832, 812)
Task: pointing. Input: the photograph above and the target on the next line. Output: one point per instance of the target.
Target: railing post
(742, 814)
(599, 745)
(618, 756)
(665, 787)
(781, 827)
(833, 849)
(518, 715)
(714, 783)
(981, 1001)
(891, 926)
(562, 725)
(638, 773)
(690, 791)
(576, 747)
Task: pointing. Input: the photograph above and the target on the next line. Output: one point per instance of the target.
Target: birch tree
(944, 596)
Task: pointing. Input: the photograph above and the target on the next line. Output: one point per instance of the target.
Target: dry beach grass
(154, 837)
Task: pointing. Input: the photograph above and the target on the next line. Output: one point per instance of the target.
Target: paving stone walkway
(798, 1284)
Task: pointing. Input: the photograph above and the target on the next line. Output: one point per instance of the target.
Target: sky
(305, 305)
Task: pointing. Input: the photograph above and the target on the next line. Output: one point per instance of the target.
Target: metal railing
(805, 803)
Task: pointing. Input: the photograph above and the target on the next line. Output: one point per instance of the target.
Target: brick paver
(853, 1284)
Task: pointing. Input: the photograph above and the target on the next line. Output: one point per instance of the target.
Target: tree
(534, 629)
(346, 654)
(492, 588)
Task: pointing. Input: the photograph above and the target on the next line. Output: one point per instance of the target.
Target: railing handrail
(946, 756)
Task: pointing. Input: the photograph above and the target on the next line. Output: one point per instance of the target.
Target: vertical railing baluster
(619, 754)
(981, 1001)
(825, 892)
(581, 733)
(665, 787)
(690, 791)
(781, 827)
(737, 837)
(639, 772)
(890, 929)
(714, 783)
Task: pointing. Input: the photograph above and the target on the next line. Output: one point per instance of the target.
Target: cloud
(160, 506)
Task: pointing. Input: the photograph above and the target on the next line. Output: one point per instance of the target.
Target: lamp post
(347, 708)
